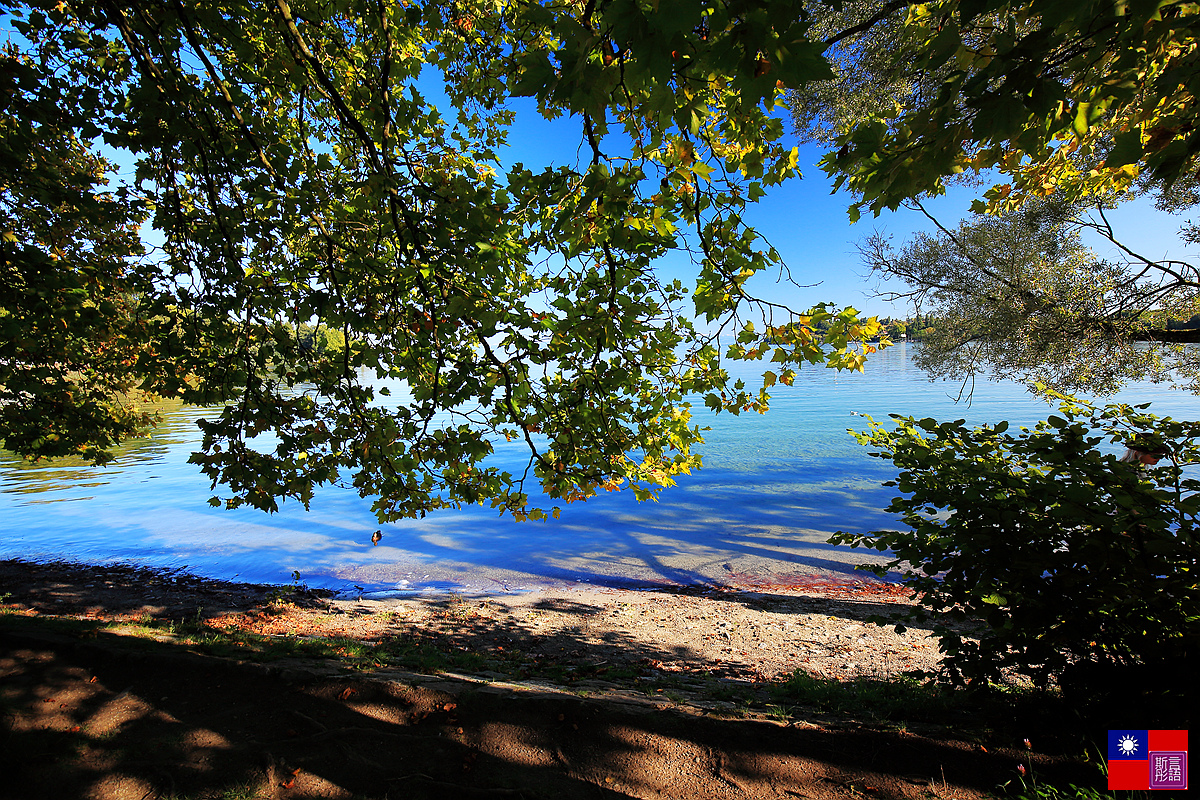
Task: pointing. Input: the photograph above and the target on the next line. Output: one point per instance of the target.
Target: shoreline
(761, 632)
(803, 581)
(391, 572)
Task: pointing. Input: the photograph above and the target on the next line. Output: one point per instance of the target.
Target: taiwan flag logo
(1147, 760)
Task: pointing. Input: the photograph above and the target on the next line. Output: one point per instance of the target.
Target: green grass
(1071, 792)
(779, 713)
(894, 699)
(198, 637)
(245, 791)
(1001, 714)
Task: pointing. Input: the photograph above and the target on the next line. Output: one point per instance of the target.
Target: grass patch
(1071, 792)
(729, 694)
(999, 713)
(197, 636)
(896, 699)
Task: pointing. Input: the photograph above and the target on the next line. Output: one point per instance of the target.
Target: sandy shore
(758, 632)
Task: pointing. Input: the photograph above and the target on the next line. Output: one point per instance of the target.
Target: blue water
(772, 490)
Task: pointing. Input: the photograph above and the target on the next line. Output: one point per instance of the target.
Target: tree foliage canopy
(1071, 98)
(297, 170)
(68, 275)
(1068, 109)
(290, 159)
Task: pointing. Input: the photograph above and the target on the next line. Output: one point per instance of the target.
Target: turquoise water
(773, 488)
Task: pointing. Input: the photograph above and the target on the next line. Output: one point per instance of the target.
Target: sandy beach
(761, 631)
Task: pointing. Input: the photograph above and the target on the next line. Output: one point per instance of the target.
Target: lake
(772, 490)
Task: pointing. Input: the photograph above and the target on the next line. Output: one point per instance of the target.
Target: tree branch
(867, 24)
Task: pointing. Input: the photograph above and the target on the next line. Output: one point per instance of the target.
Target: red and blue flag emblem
(1140, 760)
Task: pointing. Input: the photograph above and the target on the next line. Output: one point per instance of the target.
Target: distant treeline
(1192, 324)
(319, 339)
(920, 326)
(914, 327)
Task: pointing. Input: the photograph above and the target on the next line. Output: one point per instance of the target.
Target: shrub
(1078, 567)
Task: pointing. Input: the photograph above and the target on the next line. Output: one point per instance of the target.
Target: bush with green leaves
(1078, 566)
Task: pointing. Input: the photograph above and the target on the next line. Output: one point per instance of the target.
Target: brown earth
(586, 694)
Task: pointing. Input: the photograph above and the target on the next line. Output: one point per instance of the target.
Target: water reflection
(66, 476)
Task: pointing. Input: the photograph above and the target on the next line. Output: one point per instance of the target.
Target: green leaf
(1126, 149)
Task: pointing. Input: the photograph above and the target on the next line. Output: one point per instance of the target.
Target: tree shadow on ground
(93, 717)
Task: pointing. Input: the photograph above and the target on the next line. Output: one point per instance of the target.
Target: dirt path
(105, 715)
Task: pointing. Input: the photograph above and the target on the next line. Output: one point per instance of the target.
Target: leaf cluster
(75, 317)
(1076, 98)
(1062, 560)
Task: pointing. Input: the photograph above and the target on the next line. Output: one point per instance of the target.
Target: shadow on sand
(95, 718)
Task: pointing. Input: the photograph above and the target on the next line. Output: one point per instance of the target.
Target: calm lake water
(772, 490)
